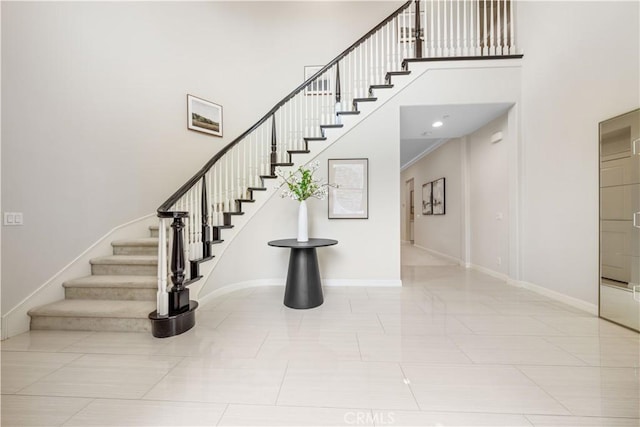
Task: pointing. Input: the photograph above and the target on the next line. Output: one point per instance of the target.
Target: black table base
(304, 287)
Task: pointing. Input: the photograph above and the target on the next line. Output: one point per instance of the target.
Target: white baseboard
(16, 321)
(441, 255)
(373, 283)
(489, 272)
(573, 302)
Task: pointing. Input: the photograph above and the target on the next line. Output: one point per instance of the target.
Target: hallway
(451, 347)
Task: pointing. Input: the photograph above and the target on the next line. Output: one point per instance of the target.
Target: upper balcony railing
(418, 29)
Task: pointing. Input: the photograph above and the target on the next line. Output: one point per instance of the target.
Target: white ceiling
(418, 137)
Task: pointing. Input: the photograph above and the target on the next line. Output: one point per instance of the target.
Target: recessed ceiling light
(437, 124)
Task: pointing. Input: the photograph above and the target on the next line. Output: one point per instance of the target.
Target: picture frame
(322, 85)
(204, 116)
(349, 190)
(438, 197)
(427, 202)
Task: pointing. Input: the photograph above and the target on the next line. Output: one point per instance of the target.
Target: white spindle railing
(451, 28)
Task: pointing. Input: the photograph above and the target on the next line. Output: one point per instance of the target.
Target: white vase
(303, 224)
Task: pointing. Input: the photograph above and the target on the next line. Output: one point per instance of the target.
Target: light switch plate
(13, 218)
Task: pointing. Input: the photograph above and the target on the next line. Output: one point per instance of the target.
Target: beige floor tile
(43, 340)
(421, 418)
(216, 344)
(559, 421)
(348, 322)
(587, 326)
(116, 413)
(478, 388)
(20, 369)
(590, 391)
(107, 376)
(256, 415)
(410, 348)
(424, 324)
(601, 350)
(325, 348)
(248, 381)
(508, 325)
(117, 343)
(345, 384)
(22, 411)
(514, 350)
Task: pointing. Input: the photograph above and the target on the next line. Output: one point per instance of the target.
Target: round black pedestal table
(304, 288)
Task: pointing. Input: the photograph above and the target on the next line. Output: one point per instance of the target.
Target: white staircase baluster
(512, 38)
(162, 297)
(498, 21)
(492, 23)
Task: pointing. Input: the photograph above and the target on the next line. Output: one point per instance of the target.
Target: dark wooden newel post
(418, 39)
(179, 294)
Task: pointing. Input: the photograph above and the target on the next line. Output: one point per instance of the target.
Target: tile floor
(452, 347)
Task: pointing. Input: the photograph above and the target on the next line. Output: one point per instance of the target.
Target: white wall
(440, 233)
(581, 66)
(95, 132)
(368, 250)
(488, 177)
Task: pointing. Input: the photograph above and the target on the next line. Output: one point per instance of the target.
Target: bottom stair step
(93, 315)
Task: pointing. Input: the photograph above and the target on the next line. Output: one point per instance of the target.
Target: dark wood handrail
(163, 210)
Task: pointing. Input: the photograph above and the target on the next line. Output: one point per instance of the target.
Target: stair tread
(106, 281)
(125, 260)
(368, 99)
(95, 308)
(143, 241)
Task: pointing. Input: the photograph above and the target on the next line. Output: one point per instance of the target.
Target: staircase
(129, 291)
(118, 296)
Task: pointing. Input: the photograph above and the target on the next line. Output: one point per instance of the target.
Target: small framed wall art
(438, 196)
(427, 203)
(349, 193)
(204, 116)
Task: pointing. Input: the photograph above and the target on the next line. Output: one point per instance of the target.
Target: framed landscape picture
(427, 203)
(204, 116)
(438, 196)
(349, 199)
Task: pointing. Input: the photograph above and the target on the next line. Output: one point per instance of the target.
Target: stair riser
(102, 324)
(120, 294)
(135, 250)
(118, 270)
